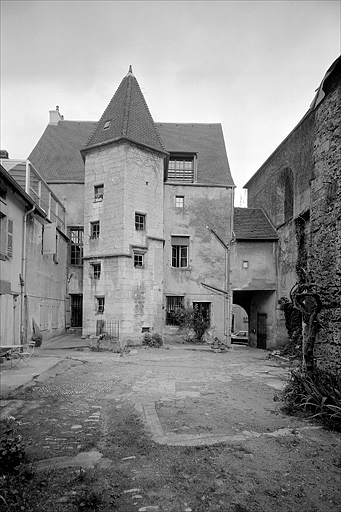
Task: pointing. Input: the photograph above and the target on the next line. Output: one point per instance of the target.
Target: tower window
(98, 193)
(100, 304)
(94, 229)
(140, 222)
(96, 270)
(138, 259)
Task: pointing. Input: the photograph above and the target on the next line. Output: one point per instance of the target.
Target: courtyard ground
(180, 428)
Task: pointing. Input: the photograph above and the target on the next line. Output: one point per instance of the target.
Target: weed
(12, 448)
(152, 340)
(318, 395)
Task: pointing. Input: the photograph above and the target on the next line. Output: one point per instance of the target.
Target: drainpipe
(23, 277)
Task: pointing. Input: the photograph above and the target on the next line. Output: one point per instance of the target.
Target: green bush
(12, 448)
(152, 340)
(190, 320)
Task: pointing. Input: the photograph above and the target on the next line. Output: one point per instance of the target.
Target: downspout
(23, 277)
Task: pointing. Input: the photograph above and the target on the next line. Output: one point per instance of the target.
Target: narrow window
(138, 259)
(179, 201)
(173, 306)
(98, 193)
(76, 246)
(94, 229)
(100, 304)
(96, 270)
(245, 264)
(140, 222)
(180, 251)
(10, 238)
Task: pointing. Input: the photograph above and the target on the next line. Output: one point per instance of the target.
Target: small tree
(191, 320)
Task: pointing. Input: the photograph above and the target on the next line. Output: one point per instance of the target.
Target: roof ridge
(127, 104)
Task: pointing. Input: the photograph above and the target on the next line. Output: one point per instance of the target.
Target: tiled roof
(127, 116)
(56, 155)
(207, 140)
(252, 223)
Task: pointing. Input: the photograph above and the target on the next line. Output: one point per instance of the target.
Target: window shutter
(10, 238)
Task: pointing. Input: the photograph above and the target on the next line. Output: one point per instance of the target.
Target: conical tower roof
(127, 117)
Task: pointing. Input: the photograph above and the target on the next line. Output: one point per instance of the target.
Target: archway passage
(260, 307)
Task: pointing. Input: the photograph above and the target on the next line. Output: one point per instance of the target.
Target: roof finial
(130, 72)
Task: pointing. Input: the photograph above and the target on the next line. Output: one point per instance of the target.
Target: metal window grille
(140, 222)
(173, 305)
(203, 310)
(111, 329)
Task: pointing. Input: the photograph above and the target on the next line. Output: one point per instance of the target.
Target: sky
(252, 66)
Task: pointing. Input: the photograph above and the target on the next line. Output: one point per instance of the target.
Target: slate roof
(207, 140)
(57, 154)
(128, 117)
(253, 224)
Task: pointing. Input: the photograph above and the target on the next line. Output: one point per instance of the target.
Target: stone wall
(325, 234)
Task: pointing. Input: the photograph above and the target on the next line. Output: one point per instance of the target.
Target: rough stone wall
(133, 182)
(325, 239)
(204, 206)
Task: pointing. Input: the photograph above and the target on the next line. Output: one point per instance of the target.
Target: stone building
(254, 274)
(149, 209)
(299, 189)
(33, 252)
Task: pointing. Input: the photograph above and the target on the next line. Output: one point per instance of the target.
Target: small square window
(98, 192)
(140, 222)
(138, 259)
(100, 304)
(179, 201)
(107, 125)
(245, 264)
(96, 270)
(94, 229)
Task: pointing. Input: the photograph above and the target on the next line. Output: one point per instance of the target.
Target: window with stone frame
(94, 229)
(180, 251)
(174, 304)
(76, 246)
(95, 270)
(98, 193)
(100, 302)
(140, 221)
(138, 259)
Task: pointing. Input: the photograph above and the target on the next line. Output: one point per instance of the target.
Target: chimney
(55, 116)
(4, 154)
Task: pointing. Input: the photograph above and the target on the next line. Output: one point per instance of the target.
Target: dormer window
(107, 125)
(181, 168)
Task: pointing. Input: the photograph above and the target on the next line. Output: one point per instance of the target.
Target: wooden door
(261, 330)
